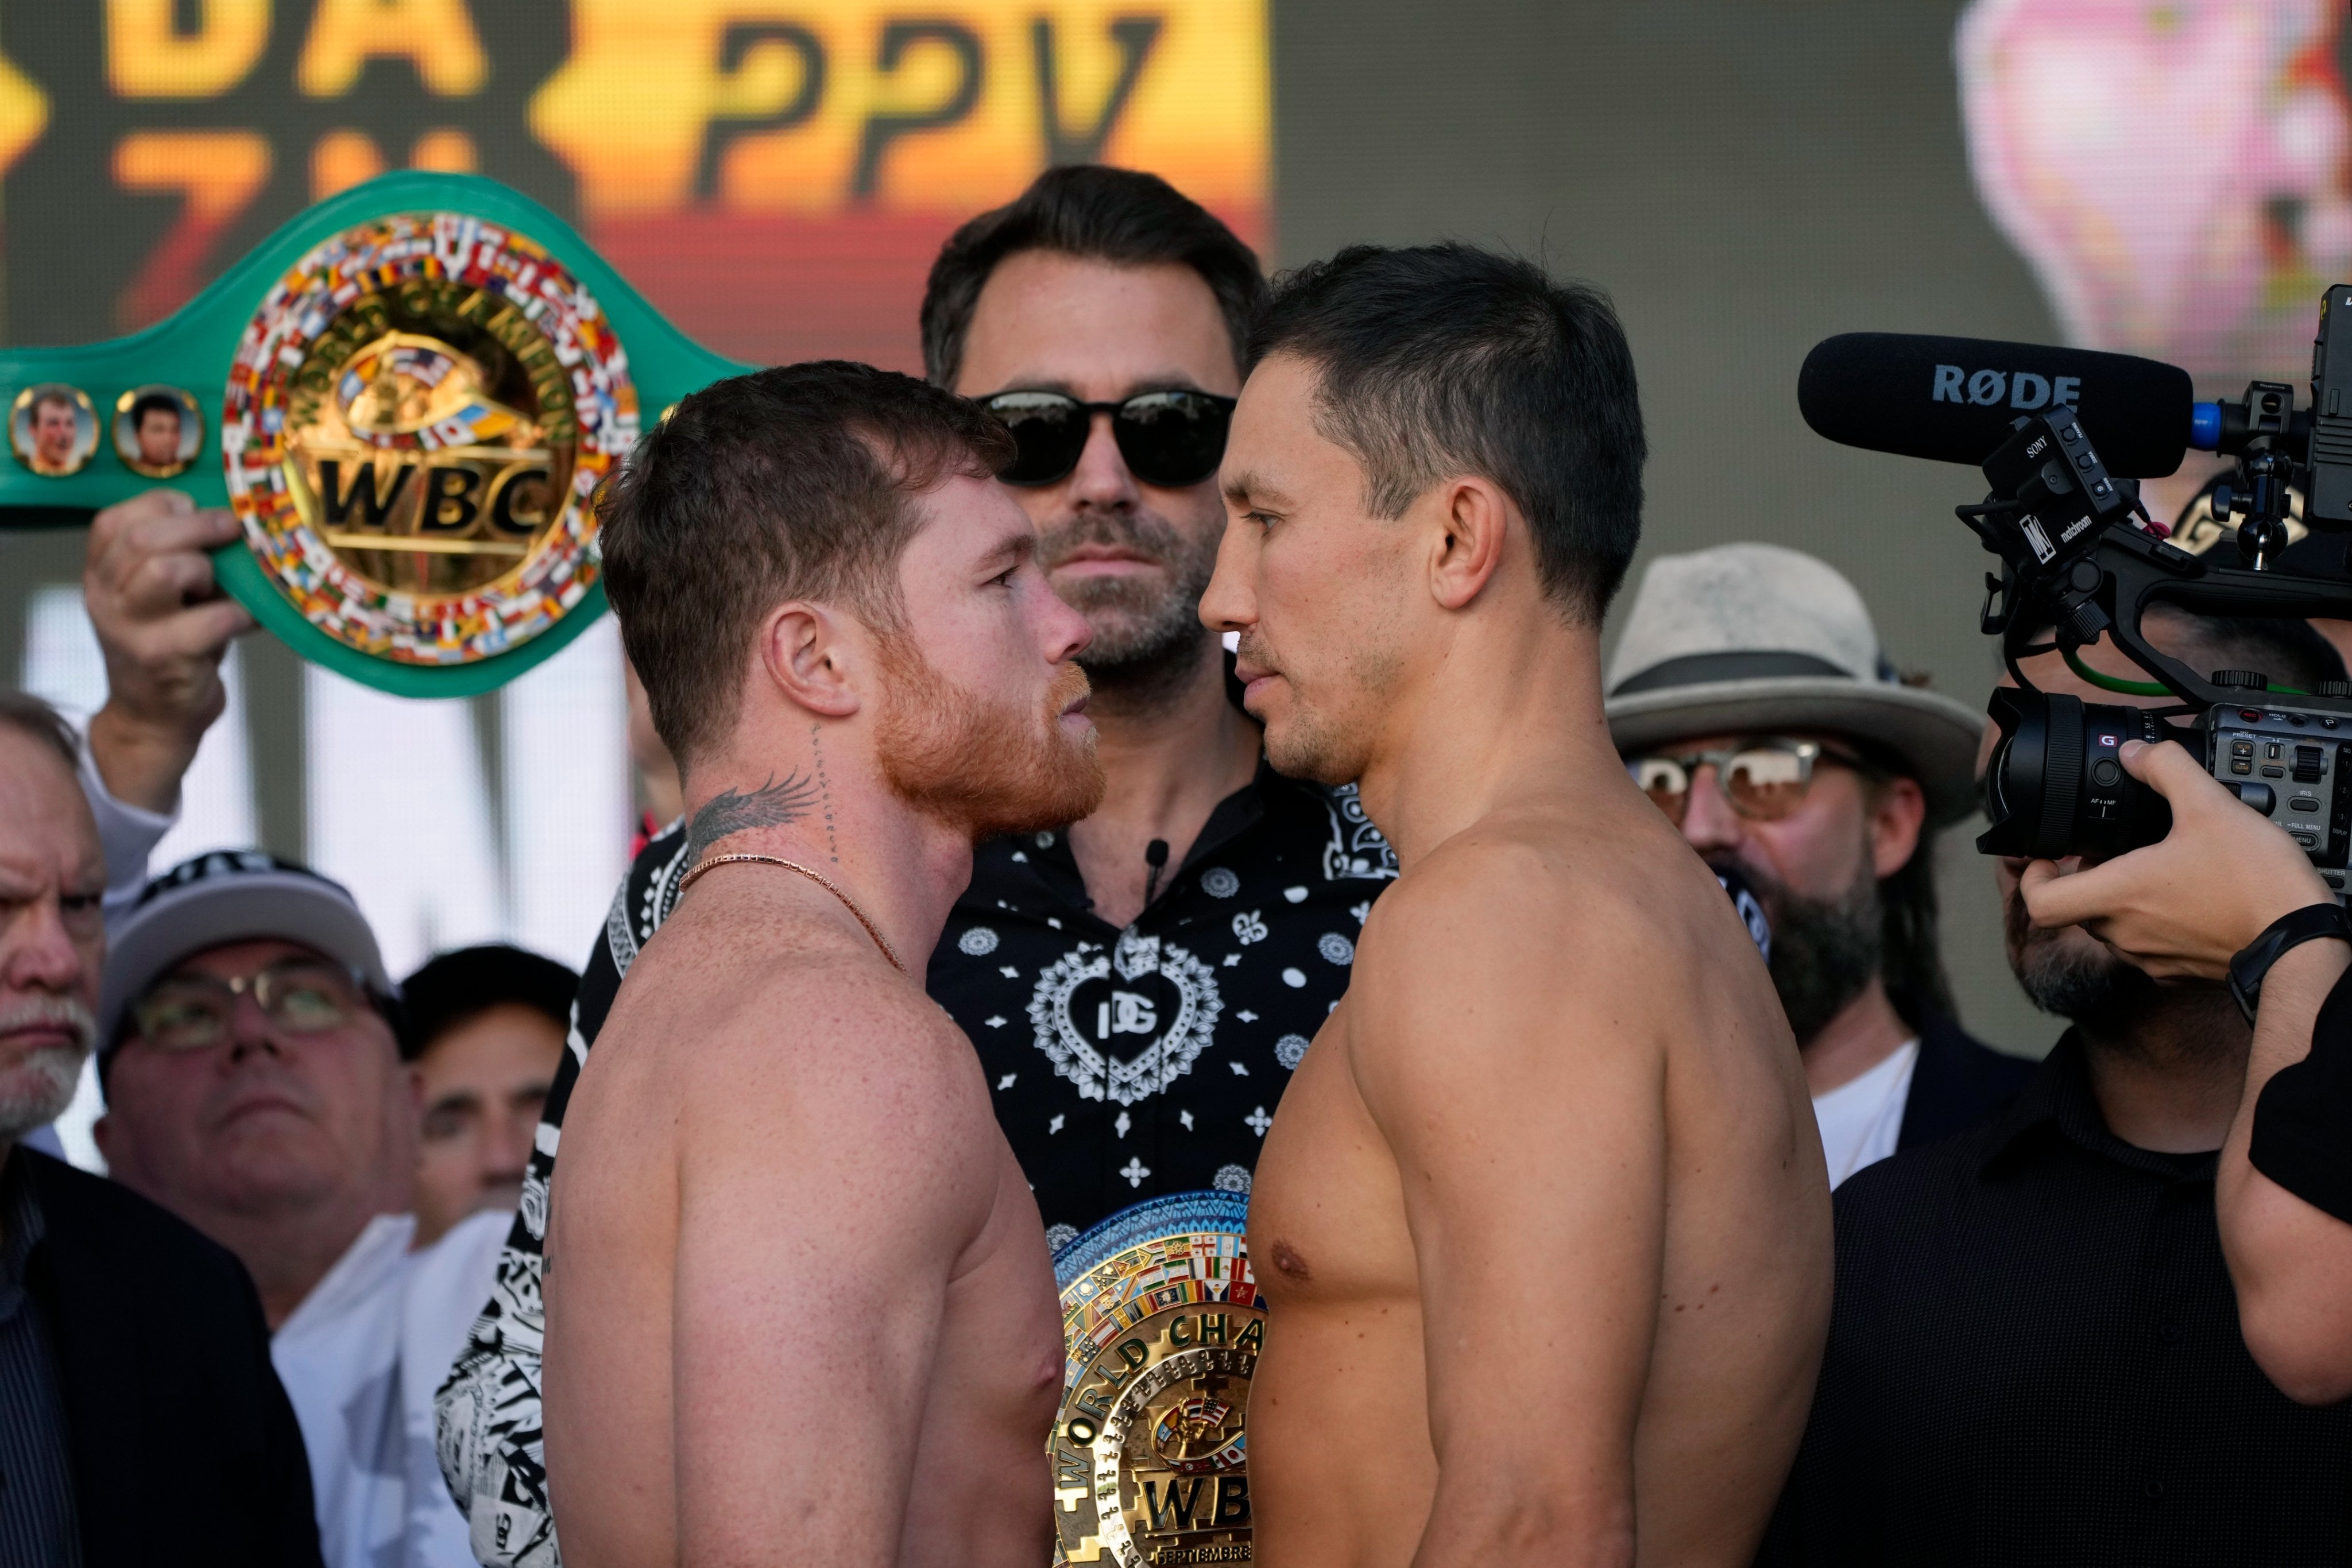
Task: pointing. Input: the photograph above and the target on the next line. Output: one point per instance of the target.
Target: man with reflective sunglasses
(255, 1087)
(141, 1421)
(1751, 702)
(1140, 983)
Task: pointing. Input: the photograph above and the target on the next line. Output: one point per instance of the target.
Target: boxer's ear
(1470, 517)
(810, 652)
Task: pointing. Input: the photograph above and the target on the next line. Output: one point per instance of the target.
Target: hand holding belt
(409, 393)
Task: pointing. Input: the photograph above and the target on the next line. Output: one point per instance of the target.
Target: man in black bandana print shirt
(1129, 1063)
(1140, 985)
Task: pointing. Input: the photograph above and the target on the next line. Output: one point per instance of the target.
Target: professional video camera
(2082, 558)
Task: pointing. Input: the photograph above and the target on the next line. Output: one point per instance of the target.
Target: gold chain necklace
(848, 903)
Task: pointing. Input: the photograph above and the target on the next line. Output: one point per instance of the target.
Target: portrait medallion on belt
(1162, 1325)
(416, 419)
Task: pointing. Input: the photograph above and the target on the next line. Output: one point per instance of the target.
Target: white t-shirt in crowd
(360, 1358)
(1861, 1120)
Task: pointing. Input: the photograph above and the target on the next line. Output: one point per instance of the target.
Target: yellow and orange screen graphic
(776, 176)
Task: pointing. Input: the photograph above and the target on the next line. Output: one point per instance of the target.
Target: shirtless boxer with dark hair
(1542, 1221)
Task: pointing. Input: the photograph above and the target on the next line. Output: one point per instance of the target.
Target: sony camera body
(2081, 560)
(2057, 785)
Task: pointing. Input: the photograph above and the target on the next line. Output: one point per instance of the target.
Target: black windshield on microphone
(1951, 399)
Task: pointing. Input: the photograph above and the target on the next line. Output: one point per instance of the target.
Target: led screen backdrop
(775, 176)
(2174, 173)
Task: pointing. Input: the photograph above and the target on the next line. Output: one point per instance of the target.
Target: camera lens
(2056, 784)
(1996, 772)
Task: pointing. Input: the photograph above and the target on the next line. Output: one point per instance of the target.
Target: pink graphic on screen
(2174, 173)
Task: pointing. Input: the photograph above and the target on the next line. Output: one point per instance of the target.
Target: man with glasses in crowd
(1140, 983)
(255, 1087)
(140, 1419)
(1750, 700)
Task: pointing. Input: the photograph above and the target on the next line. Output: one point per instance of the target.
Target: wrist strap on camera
(2289, 931)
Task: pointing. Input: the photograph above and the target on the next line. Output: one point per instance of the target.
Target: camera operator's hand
(2183, 907)
(163, 626)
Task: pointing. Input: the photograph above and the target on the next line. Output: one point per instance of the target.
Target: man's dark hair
(1910, 942)
(29, 714)
(156, 403)
(1447, 360)
(1122, 216)
(63, 400)
(2290, 652)
(455, 988)
(792, 483)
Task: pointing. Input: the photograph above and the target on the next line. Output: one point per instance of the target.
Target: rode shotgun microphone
(1952, 399)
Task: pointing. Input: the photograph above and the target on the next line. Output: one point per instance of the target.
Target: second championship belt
(409, 394)
(1162, 1325)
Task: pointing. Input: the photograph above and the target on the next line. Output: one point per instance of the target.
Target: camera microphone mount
(2259, 429)
(2080, 560)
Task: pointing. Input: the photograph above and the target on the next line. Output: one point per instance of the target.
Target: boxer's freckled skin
(803, 1272)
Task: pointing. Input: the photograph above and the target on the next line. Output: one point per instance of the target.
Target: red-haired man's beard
(987, 766)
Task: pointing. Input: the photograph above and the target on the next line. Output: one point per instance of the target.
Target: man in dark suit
(140, 1419)
(1751, 699)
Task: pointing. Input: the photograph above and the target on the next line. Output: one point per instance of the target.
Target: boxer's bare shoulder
(1543, 1215)
(783, 1189)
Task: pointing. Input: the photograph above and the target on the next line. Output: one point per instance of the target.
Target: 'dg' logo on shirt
(1125, 1023)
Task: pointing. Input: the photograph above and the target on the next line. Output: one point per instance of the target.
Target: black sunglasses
(1168, 438)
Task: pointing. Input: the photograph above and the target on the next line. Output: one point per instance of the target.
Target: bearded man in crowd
(2035, 1354)
(1751, 701)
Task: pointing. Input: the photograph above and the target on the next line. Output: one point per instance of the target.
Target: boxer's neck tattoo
(771, 805)
(825, 790)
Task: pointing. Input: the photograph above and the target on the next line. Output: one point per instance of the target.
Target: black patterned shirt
(1124, 1063)
(1130, 1063)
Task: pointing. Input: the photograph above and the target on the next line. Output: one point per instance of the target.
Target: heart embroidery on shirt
(1088, 1002)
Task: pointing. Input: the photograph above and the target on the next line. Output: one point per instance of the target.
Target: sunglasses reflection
(1172, 438)
(1763, 779)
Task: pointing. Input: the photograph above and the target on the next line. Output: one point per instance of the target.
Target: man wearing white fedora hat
(1750, 700)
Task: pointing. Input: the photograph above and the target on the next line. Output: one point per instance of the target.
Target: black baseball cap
(452, 987)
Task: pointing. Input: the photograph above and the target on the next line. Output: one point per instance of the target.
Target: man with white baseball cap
(255, 1088)
(1750, 700)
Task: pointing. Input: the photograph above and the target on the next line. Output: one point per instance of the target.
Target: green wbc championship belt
(409, 394)
(1162, 1328)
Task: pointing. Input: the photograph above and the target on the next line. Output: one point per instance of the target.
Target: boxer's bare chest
(1340, 1465)
(1327, 1222)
